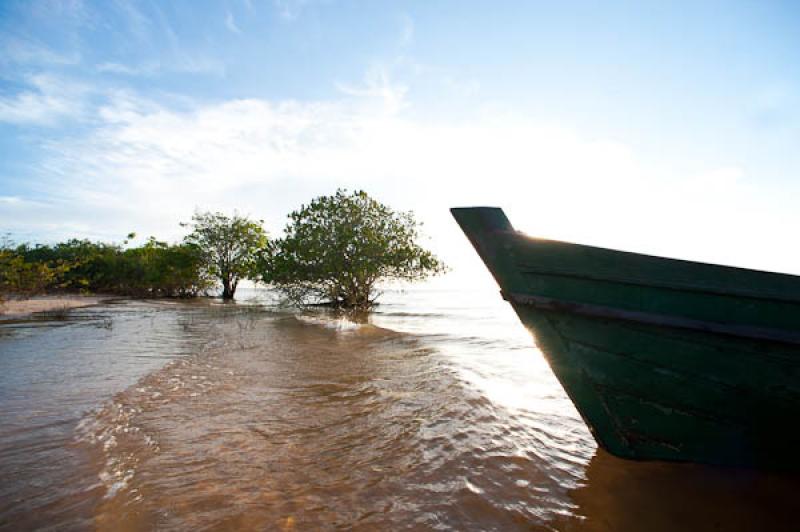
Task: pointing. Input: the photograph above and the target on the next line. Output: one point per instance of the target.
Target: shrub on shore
(229, 247)
(337, 248)
(155, 269)
(21, 278)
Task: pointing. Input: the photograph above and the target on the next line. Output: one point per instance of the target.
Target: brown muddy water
(439, 415)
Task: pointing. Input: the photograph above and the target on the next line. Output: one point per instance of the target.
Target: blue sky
(664, 127)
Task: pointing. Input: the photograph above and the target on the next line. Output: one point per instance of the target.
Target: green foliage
(230, 247)
(155, 269)
(160, 269)
(19, 278)
(338, 247)
(91, 262)
(334, 252)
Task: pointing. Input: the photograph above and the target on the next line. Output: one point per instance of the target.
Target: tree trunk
(227, 289)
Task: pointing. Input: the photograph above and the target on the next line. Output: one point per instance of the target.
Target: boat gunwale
(665, 285)
(721, 291)
(660, 320)
(740, 269)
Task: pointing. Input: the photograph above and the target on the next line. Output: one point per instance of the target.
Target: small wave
(413, 314)
(111, 430)
(338, 324)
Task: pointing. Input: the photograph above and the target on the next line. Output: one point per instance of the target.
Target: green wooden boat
(664, 359)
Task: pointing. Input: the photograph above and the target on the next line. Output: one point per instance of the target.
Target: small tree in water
(338, 247)
(230, 247)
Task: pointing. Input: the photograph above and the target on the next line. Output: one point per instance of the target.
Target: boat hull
(664, 359)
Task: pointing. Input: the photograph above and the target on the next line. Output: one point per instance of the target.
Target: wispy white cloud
(197, 64)
(69, 12)
(406, 30)
(20, 202)
(148, 167)
(138, 23)
(230, 23)
(46, 101)
(182, 62)
(153, 27)
(25, 219)
(28, 52)
(143, 69)
(290, 9)
(377, 86)
(182, 59)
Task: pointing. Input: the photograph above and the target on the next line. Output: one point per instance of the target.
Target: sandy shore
(25, 307)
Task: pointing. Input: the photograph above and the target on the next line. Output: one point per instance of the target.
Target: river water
(440, 414)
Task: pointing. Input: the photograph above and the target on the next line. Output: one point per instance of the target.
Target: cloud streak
(147, 167)
(46, 102)
(290, 9)
(145, 69)
(27, 52)
(230, 23)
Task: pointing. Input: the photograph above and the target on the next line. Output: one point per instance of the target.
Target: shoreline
(21, 308)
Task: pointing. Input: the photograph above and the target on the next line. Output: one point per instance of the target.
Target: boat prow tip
(481, 219)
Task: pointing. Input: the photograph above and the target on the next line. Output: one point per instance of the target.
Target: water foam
(338, 324)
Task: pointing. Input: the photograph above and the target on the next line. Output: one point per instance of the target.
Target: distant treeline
(334, 251)
(155, 269)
